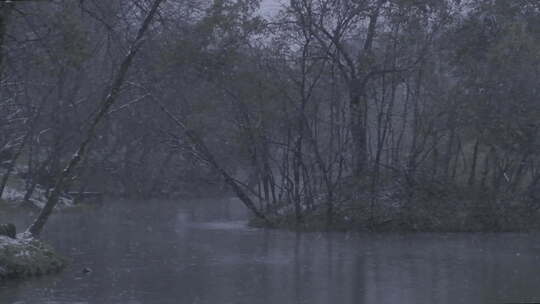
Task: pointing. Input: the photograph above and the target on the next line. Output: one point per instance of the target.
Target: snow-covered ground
(16, 196)
(16, 189)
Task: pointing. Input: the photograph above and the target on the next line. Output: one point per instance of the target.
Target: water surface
(203, 252)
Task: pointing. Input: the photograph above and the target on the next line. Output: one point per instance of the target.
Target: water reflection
(202, 252)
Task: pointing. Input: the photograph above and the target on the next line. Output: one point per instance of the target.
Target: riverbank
(27, 257)
(392, 211)
(16, 190)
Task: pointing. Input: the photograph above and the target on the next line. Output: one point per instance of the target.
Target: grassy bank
(20, 258)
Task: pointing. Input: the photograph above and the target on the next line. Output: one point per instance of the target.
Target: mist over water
(202, 251)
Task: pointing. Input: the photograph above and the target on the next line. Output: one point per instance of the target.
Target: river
(202, 251)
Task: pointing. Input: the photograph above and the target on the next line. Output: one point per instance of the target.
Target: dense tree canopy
(413, 114)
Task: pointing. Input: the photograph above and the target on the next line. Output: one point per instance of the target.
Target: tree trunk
(36, 227)
(5, 11)
(472, 175)
(207, 156)
(358, 133)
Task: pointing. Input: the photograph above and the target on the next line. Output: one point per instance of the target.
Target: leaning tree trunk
(200, 146)
(36, 228)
